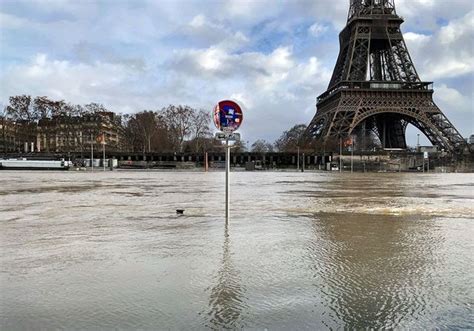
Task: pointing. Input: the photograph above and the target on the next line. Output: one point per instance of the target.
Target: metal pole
(428, 160)
(103, 151)
(298, 160)
(92, 153)
(302, 169)
(340, 154)
(352, 154)
(227, 170)
(4, 129)
(384, 134)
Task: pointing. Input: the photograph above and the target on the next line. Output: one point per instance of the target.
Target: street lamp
(298, 159)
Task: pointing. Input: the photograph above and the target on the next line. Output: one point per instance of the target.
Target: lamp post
(352, 154)
(302, 165)
(298, 159)
(92, 153)
(103, 149)
(340, 154)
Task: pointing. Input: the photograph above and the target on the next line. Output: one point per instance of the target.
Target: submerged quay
(391, 161)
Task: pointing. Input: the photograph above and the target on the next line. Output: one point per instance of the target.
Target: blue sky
(273, 57)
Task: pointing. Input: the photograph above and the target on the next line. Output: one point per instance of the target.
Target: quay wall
(360, 162)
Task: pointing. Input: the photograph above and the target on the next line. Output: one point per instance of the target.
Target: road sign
(227, 116)
(234, 136)
(425, 155)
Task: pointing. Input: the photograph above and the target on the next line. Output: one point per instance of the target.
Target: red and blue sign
(227, 116)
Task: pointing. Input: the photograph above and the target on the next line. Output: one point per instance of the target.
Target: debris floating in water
(180, 211)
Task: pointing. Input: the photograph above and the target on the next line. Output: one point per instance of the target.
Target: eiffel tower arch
(375, 86)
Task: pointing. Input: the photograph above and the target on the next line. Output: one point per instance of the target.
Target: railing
(376, 85)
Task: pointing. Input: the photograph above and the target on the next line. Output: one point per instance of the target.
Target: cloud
(317, 29)
(458, 30)
(447, 53)
(275, 89)
(428, 15)
(451, 99)
(74, 82)
(11, 22)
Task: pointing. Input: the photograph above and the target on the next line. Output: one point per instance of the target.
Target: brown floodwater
(301, 251)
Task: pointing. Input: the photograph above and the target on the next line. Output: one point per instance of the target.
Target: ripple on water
(302, 251)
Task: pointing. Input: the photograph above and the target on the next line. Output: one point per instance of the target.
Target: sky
(273, 57)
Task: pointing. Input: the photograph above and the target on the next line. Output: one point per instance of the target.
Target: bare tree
(25, 119)
(4, 122)
(200, 129)
(239, 146)
(147, 127)
(146, 131)
(131, 133)
(262, 146)
(179, 120)
(20, 109)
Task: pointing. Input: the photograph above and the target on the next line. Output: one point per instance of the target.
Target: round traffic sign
(227, 116)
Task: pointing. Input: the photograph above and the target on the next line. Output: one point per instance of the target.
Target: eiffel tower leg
(345, 112)
(391, 130)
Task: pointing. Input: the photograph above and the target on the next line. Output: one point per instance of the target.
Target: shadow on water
(226, 300)
(374, 271)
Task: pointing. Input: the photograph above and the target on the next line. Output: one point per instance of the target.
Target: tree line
(296, 139)
(171, 129)
(25, 117)
(175, 128)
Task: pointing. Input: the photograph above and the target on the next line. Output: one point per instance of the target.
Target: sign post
(227, 118)
(227, 185)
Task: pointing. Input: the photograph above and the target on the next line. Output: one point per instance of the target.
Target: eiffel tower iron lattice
(375, 86)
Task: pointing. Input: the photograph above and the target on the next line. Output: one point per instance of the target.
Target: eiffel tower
(376, 88)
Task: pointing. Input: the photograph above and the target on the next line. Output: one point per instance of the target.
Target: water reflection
(373, 271)
(226, 301)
